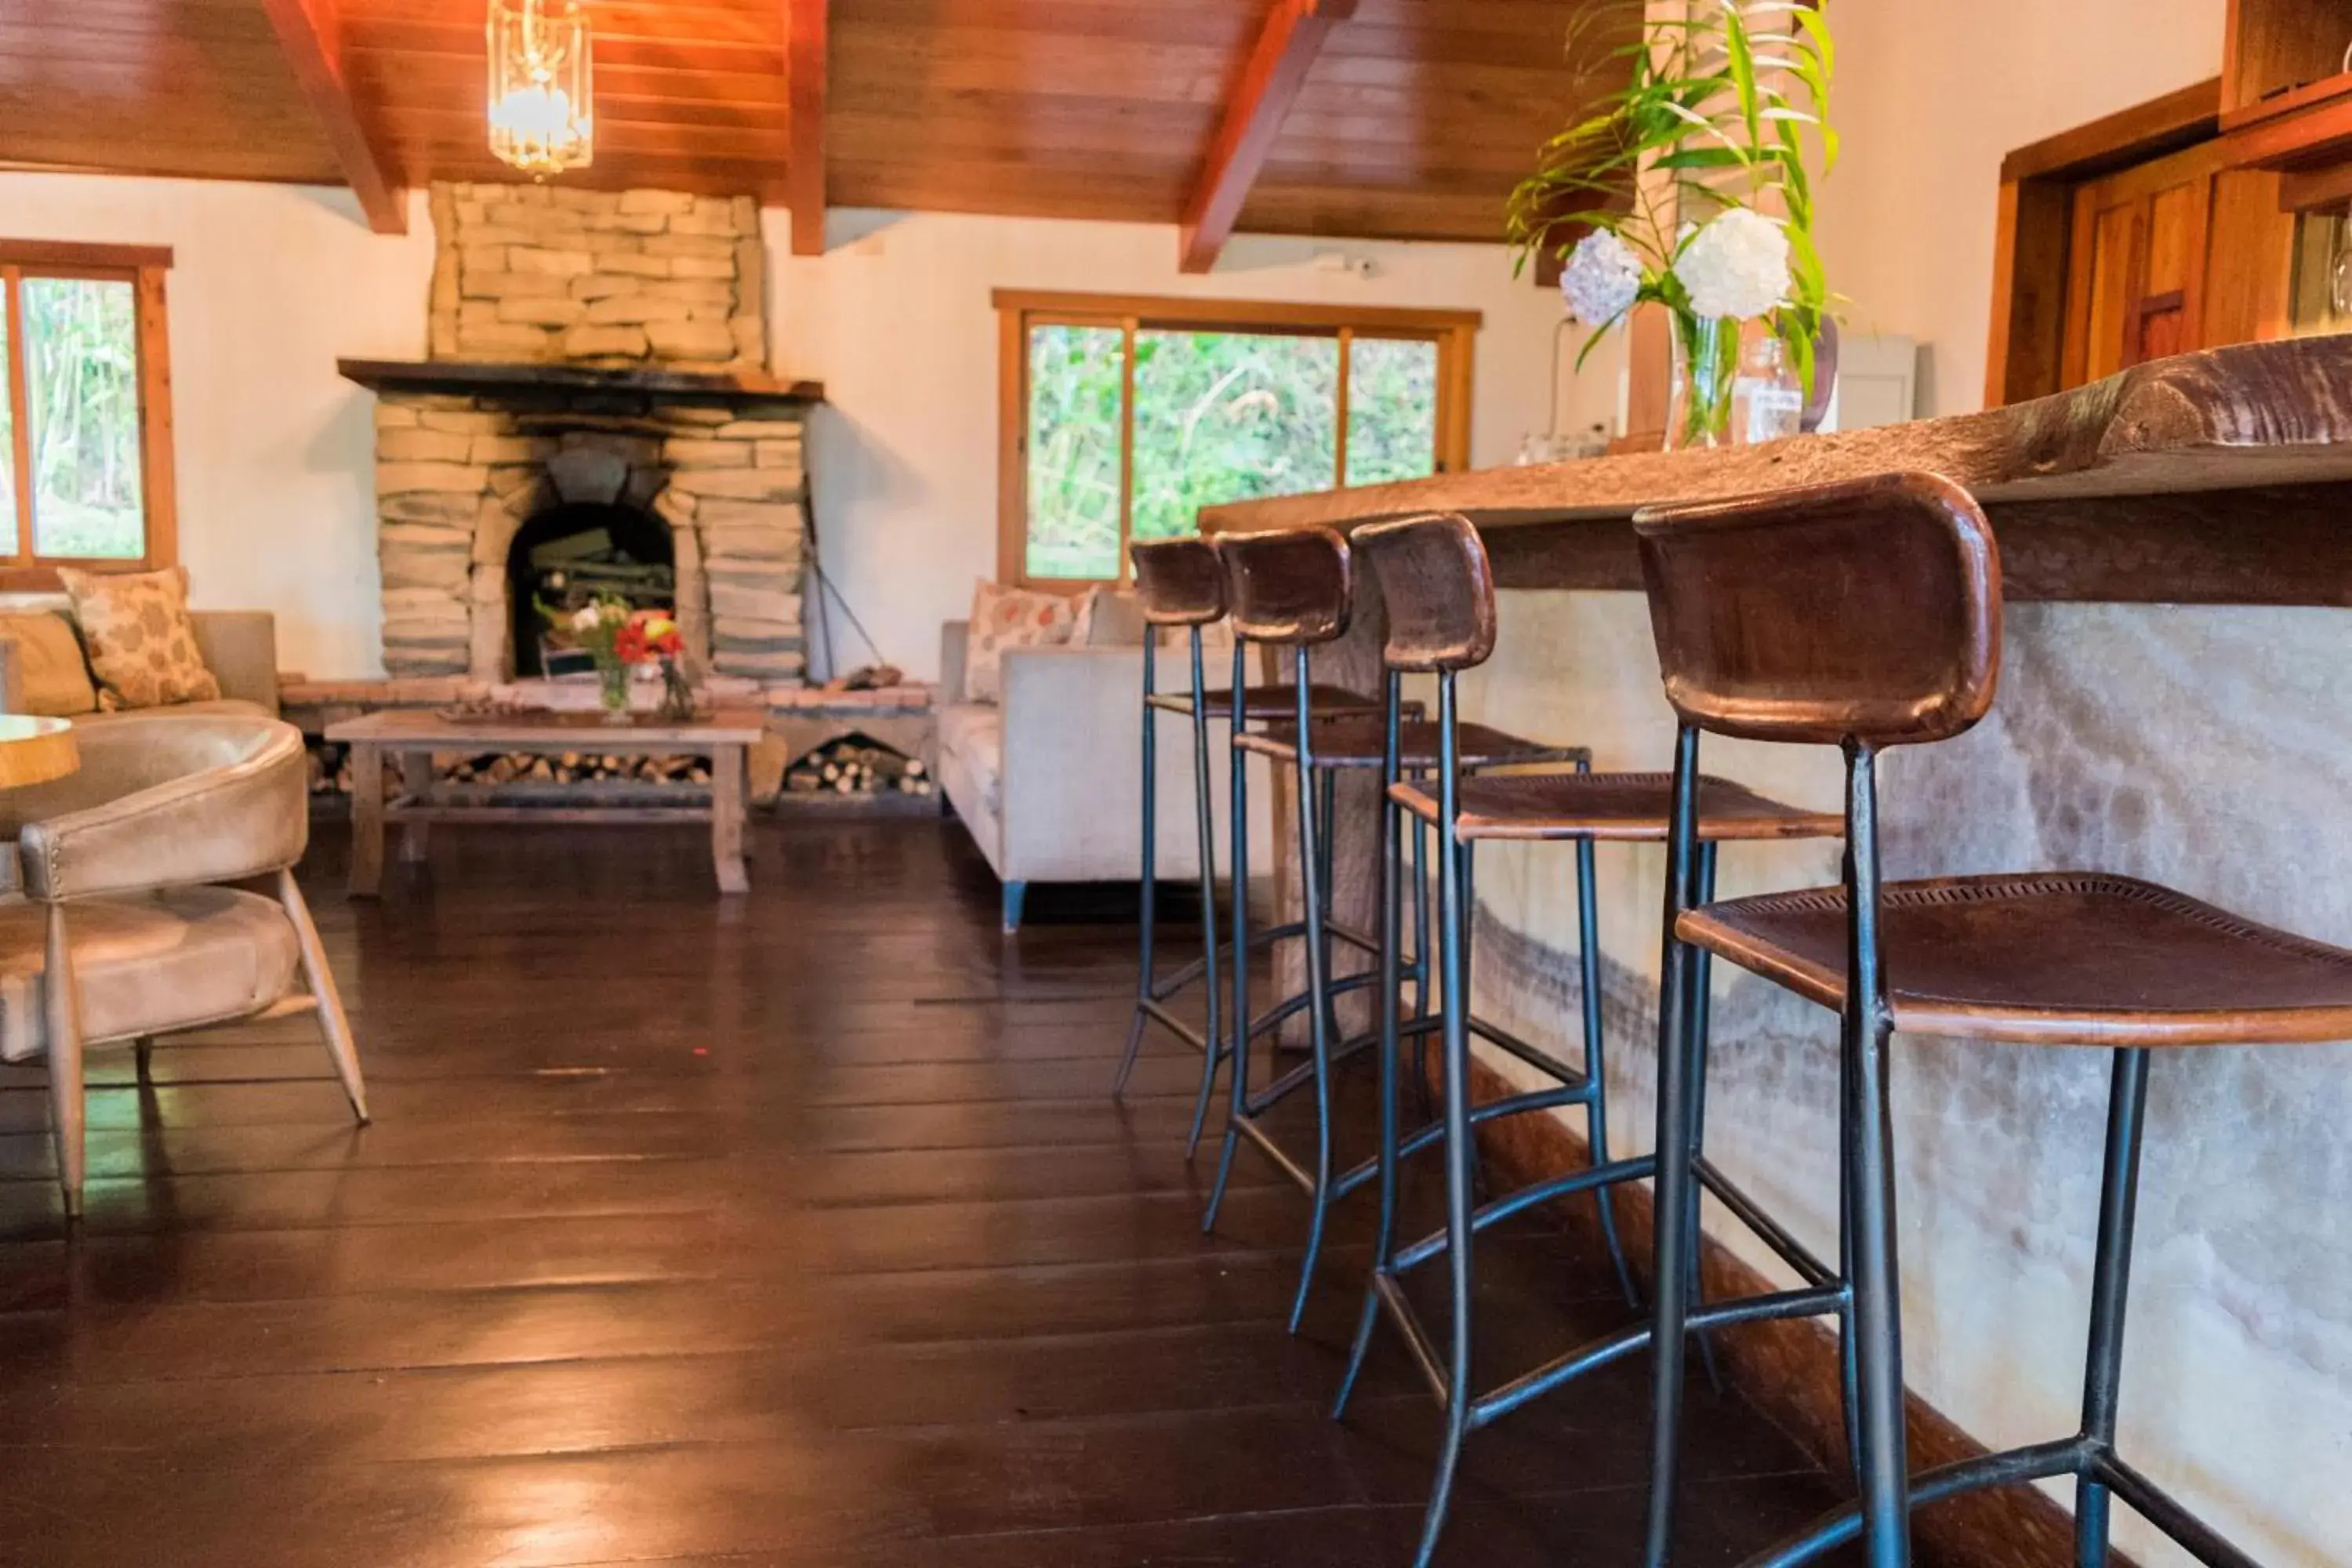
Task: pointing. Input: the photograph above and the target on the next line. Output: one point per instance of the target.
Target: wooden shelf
(2296, 129)
(469, 377)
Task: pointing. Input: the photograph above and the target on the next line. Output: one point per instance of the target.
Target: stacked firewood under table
(330, 770)
(853, 765)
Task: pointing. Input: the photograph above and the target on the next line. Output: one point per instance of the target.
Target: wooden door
(2136, 269)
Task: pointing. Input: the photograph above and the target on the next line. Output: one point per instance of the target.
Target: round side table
(34, 751)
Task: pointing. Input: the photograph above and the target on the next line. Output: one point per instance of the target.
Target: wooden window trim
(1455, 333)
(143, 266)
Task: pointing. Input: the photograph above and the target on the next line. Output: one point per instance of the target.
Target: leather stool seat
(1627, 807)
(2052, 958)
(1360, 744)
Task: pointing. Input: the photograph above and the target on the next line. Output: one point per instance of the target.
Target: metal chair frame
(1573, 1087)
(1792, 701)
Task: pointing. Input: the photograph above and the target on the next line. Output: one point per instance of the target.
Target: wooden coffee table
(725, 738)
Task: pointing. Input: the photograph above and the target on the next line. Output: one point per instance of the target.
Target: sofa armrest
(955, 641)
(1071, 796)
(240, 647)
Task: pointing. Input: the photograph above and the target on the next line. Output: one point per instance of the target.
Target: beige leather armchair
(126, 930)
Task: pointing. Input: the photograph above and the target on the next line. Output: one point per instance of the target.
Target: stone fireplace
(594, 355)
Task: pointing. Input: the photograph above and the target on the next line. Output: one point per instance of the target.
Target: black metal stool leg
(2110, 1287)
(1452, 923)
(1596, 1109)
(1146, 980)
(1424, 935)
(1205, 823)
(1239, 1023)
(1702, 1012)
(1676, 1178)
(1311, 832)
(1869, 1111)
(1391, 905)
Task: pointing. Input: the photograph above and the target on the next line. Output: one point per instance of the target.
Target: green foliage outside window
(1218, 417)
(82, 378)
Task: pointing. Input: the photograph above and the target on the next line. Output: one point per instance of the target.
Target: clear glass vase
(1706, 364)
(612, 690)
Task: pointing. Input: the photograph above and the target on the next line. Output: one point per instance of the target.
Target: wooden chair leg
(332, 1024)
(62, 1020)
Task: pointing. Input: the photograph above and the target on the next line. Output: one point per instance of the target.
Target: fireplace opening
(572, 554)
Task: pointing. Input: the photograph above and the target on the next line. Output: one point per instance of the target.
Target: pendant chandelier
(542, 93)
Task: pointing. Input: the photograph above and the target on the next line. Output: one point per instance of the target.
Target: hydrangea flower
(1738, 265)
(1601, 279)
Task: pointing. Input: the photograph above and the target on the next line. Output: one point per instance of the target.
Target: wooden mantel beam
(805, 82)
(310, 32)
(1261, 100)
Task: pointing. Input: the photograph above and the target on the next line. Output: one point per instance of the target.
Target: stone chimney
(525, 274)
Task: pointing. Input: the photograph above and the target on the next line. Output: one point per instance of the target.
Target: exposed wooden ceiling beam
(311, 33)
(805, 81)
(1269, 84)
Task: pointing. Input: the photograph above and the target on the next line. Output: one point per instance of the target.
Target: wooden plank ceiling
(1411, 119)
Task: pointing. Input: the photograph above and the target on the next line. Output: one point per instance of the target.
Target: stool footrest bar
(1174, 1026)
(1273, 1150)
(2157, 1506)
(1290, 1007)
(1423, 1138)
(1767, 1229)
(1416, 1338)
(2072, 1457)
(1434, 1244)
(1535, 1057)
(1600, 1352)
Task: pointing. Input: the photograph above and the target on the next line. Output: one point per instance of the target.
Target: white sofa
(1049, 783)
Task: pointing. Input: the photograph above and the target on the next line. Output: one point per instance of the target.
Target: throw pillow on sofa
(142, 644)
(1005, 618)
(54, 680)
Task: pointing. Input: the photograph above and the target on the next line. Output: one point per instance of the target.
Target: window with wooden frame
(85, 409)
(1122, 416)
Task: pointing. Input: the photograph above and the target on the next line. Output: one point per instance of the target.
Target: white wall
(1930, 97)
(269, 284)
(895, 321)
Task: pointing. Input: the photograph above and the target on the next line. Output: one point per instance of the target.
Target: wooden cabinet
(2128, 239)
(2135, 264)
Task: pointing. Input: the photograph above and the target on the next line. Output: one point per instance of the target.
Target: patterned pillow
(142, 647)
(1005, 618)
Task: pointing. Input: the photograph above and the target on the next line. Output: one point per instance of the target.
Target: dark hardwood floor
(800, 1232)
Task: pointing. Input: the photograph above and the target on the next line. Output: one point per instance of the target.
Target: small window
(85, 425)
(1124, 418)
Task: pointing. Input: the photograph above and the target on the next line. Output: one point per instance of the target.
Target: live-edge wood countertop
(2221, 476)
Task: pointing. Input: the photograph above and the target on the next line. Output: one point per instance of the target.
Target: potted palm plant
(1693, 185)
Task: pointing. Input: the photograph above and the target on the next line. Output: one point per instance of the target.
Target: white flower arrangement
(1694, 183)
(1601, 280)
(1736, 266)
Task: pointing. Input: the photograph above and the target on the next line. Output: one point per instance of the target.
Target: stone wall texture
(458, 477)
(533, 273)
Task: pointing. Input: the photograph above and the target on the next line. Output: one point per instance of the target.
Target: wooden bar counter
(2177, 546)
(2213, 477)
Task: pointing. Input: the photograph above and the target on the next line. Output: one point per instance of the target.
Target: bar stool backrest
(1178, 582)
(1866, 612)
(1439, 589)
(1292, 586)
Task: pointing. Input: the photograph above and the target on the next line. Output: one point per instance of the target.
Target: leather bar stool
(1180, 583)
(1435, 575)
(1863, 616)
(1295, 590)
